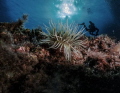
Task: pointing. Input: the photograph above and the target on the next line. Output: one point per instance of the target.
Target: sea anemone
(65, 37)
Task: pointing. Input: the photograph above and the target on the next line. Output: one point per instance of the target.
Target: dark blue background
(104, 13)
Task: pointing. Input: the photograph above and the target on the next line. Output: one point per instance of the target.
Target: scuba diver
(91, 29)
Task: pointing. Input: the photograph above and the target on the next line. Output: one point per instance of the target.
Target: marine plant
(65, 37)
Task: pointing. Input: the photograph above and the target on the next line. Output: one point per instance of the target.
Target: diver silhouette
(91, 28)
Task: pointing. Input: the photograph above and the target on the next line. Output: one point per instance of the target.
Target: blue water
(41, 11)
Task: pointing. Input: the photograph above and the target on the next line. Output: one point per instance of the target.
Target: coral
(115, 48)
(6, 36)
(41, 53)
(99, 60)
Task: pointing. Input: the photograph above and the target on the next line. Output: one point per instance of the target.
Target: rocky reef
(27, 66)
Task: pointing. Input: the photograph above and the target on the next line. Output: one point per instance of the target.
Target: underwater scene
(59, 46)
